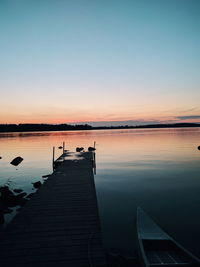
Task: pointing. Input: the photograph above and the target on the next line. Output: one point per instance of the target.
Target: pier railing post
(53, 160)
(63, 147)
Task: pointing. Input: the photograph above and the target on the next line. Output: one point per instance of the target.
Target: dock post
(53, 160)
(63, 147)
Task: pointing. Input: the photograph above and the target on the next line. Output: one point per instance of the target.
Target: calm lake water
(158, 169)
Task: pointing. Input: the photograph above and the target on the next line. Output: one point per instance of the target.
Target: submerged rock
(0, 157)
(198, 147)
(16, 161)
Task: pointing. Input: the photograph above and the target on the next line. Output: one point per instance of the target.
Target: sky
(68, 61)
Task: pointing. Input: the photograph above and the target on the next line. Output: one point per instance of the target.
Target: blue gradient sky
(66, 61)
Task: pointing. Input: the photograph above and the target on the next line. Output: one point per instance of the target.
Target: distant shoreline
(8, 128)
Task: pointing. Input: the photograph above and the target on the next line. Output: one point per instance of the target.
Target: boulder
(37, 184)
(16, 161)
(46, 176)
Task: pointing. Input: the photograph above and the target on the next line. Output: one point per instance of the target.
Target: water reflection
(155, 168)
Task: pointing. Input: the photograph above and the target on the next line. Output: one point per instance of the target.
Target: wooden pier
(60, 225)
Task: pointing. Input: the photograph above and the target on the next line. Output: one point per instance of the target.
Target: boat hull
(156, 248)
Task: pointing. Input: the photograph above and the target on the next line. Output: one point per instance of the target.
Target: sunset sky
(67, 61)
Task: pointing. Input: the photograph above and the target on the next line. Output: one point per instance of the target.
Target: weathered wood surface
(60, 225)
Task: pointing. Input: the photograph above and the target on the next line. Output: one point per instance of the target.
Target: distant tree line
(30, 127)
(161, 125)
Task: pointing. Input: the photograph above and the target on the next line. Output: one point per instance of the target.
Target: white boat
(156, 248)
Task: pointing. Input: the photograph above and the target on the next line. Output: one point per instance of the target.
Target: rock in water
(16, 161)
(37, 184)
(46, 176)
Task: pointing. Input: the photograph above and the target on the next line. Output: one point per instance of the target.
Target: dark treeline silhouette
(174, 125)
(29, 127)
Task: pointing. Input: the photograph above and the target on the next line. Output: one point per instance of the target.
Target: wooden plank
(59, 226)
